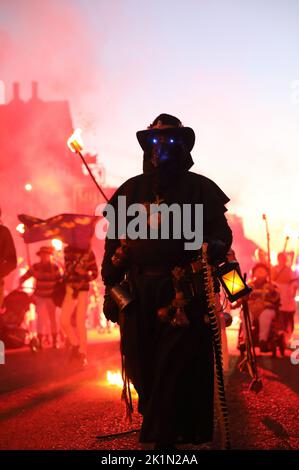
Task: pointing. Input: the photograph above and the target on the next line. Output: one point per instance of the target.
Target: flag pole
(28, 254)
(268, 246)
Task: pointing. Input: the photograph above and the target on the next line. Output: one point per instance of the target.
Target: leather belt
(196, 266)
(152, 270)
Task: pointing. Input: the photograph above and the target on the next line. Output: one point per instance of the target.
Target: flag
(28, 220)
(73, 229)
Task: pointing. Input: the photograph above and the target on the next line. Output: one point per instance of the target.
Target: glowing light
(171, 141)
(28, 187)
(236, 321)
(233, 282)
(273, 256)
(155, 141)
(20, 228)
(28, 285)
(32, 310)
(75, 142)
(114, 378)
(297, 298)
(230, 276)
(57, 244)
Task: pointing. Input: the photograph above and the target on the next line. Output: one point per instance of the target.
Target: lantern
(229, 274)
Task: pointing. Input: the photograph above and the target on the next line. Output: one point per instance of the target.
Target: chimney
(16, 91)
(34, 91)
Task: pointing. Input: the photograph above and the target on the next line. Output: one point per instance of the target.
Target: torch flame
(75, 142)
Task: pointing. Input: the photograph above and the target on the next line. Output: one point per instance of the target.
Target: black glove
(110, 309)
(217, 251)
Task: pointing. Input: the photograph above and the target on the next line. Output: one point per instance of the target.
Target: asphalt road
(46, 404)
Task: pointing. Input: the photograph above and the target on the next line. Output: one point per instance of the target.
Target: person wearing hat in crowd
(80, 270)
(46, 274)
(263, 304)
(169, 359)
(8, 257)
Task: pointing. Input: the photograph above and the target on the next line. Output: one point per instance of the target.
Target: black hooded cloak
(172, 368)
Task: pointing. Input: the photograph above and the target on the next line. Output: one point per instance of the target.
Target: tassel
(220, 401)
(126, 391)
(126, 395)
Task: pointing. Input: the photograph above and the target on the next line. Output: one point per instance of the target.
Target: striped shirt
(46, 276)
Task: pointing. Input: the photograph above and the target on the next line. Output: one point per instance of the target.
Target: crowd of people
(58, 286)
(272, 303)
(67, 286)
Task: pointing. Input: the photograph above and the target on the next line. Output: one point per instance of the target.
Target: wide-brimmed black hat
(179, 132)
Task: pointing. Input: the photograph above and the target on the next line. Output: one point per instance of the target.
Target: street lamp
(28, 187)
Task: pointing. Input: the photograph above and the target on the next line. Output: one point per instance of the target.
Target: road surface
(46, 404)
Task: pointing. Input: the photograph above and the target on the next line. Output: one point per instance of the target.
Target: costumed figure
(170, 339)
(263, 305)
(80, 270)
(46, 274)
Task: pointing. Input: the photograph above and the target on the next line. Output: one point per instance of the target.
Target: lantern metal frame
(230, 273)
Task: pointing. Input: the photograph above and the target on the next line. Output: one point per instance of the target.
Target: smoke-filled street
(47, 405)
(149, 231)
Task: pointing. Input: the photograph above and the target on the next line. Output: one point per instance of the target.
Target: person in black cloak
(168, 352)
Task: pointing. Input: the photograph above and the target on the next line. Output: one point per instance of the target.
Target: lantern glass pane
(233, 282)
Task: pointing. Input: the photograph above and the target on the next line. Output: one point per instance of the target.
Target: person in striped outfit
(46, 274)
(80, 270)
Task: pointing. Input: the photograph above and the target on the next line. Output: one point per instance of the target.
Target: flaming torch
(75, 144)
